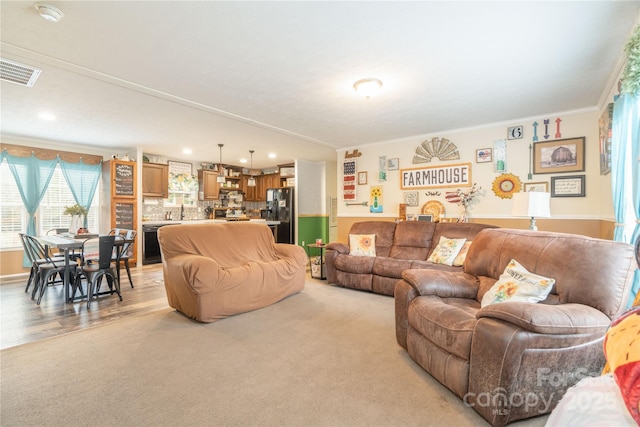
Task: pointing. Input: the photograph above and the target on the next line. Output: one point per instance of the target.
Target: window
(13, 215)
(183, 190)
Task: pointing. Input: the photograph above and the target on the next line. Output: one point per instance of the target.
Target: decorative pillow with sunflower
(516, 283)
(362, 244)
(446, 251)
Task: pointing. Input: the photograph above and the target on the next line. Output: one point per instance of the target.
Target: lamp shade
(531, 204)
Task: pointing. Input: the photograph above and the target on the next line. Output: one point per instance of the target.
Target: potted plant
(78, 213)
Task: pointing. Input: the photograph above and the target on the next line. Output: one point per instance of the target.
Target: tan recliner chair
(515, 360)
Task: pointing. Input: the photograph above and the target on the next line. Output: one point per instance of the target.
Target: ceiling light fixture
(221, 179)
(48, 12)
(187, 150)
(252, 181)
(368, 87)
(49, 117)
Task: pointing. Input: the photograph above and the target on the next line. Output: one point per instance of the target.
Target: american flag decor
(349, 180)
(452, 197)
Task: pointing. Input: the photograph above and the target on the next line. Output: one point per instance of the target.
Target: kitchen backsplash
(155, 210)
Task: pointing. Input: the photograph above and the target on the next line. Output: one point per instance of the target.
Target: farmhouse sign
(458, 175)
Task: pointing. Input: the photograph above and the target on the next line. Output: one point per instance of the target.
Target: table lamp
(531, 204)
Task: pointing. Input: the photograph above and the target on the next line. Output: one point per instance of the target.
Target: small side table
(321, 273)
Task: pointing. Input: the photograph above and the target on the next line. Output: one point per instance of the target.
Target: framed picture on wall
(392, 164)
(562, 155)
(411, 198)
(567, 186)
(483, 155)
(536, 186)
(362, 178)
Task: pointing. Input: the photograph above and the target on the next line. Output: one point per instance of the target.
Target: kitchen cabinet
(261, 190)
(272, 181)
(250, 193)
(155, 180)
(208, 186)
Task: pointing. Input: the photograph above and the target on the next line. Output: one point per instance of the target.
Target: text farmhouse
(458, 175)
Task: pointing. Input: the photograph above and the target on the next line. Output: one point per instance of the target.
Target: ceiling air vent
(18, 73)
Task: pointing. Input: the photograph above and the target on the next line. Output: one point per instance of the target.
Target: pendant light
(251, 182)
(221, 179)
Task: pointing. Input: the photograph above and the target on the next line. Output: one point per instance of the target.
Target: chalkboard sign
(124, 180)
(125, 215)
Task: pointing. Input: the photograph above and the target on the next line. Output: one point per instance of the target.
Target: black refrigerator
(280, 207)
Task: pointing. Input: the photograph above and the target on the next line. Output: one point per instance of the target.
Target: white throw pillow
(518, 284)
(446, 251)
(362, 244)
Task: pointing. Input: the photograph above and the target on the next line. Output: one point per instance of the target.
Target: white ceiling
(278, 76)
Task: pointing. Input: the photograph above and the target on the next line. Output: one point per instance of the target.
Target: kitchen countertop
(215, 221)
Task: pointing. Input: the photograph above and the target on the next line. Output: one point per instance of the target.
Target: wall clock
(505, 185)
(515, 132)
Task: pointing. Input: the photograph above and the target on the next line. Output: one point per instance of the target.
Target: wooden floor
(23, 321)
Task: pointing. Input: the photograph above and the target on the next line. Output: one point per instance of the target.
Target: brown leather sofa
(212, 271)
(399, 246)
(515, 360)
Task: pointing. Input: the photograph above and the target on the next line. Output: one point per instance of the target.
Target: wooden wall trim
(46, 154)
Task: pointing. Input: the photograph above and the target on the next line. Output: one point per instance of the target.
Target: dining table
(68, 242)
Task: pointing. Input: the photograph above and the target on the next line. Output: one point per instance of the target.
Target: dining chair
(33, 274)
(126, 250)
(36, 258)
(96, 263)
(46, 267)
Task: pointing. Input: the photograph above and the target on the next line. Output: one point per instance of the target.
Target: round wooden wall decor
(434, 208)
(505, 185)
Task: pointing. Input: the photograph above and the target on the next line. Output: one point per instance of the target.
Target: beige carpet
(324, 357)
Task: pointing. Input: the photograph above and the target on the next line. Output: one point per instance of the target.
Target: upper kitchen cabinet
(155, 180)
(250, 194)
(208, 187)
(263, 182)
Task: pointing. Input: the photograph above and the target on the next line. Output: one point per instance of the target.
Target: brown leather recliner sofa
(515, 360)
(212, 271)
(399, 246)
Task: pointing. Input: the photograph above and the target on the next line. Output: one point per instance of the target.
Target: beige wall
(597, 205)
(11, 263)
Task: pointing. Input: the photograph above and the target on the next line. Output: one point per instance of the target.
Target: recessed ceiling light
(47, 116)
(187, 150)
(243, 160)
(48, 12)
(272, 155)
(368, 87)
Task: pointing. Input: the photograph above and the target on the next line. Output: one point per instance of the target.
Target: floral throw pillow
(362, 244)
(462, 255)
(518, 284)
(623, 357)
(446, 251)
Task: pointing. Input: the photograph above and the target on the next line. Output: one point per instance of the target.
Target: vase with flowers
(78, 215)
(465, 199)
